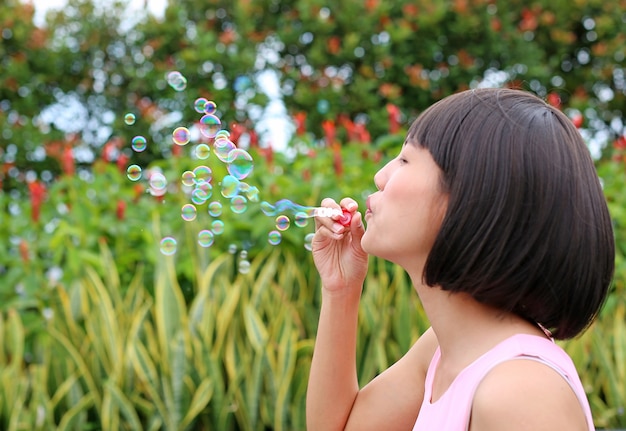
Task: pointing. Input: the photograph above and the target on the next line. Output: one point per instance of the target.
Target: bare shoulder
(392, 400)
(526, 395)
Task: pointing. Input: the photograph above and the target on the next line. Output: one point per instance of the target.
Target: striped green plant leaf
(74, 417)
(199, 402)
(255, 328)
(123, 404)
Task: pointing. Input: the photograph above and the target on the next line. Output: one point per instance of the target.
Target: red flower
(394, 118)
(620, 143)
(329, 131)
(362, 134)
(67, 161)
(300, 119)
(578, 119)
(24, 253)
(337, 160)
(120, 210)
(37, 194)
(254, 139)
(122, 162)
(555, 100)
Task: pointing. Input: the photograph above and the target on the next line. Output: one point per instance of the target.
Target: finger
(326, 221)
(349, 204)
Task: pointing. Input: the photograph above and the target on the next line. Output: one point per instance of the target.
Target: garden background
(100, 330)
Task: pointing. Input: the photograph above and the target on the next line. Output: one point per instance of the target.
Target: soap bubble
(158, 182)
(222, 148)
(168, 246)
(203, 174)
(301, 219)
(133, 172)
(217, 227)
(188, 178)
(188, 212)
(240, 163)
(210, 107)
(201, 193)
(181, 136)
(205, 238)
(129, 119)
(139, 143)
(243, 267)
(308, 241)
(230, 186)
(215, 209)
(176, 80)
(238, 204)
(282, 222)
(210, 125)
(200, 105)
(274, 237)
(203, 151)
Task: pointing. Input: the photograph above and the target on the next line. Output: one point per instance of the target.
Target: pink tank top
(452, 411)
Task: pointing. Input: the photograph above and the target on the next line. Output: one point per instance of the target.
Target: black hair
(527, 228)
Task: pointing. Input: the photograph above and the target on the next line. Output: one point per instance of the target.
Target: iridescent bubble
(217, 227)
(168, 246)
(188, 178)
(200, 195)
(133, 172)
(176, 80)
(308, 241)
(232, 249)
(205, 238)
(181, 136)
(243, 266)
(215, 209)
(252, 194)
(238, 204)
(230, 186)
(210, 125)
(158, 181)
(203, 174)
(200, 105)
(243, 254)
(274, 237)
(282, 222)
(129, 119)
(210, 107)
(222, 148)
(139, 143)
(188, 212)
(301, 219)
(222, 134)
(203, 151)
(240, 163)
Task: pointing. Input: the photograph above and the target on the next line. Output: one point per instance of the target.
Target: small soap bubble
(222, 134)
(308, 241)
(301, 219)
(133, 172)
(240, 163)
(188, 212)
(200, 105)
(243, 254)
(200, 195)
(188, 178)
(252, 194)
(129, 119)
(243, 267)
(176, 80)
(210, 125)
(139, 143)
(282, 222)
(203, 174)
(168, 246)
(230, 186)
(203, 151)
(210, 107)
(238, 204)
(215, 209)
(205, 238)
(217, 227)
(158, 181)
(232, 248)
(274, 237)
(222, 148)
(268, 209)
(181, 136)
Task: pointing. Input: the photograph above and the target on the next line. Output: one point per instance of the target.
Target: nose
(380, 178)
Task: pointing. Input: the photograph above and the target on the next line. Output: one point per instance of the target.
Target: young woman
(494, 209)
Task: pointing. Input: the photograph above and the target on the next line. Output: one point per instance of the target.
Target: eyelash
(402, 160)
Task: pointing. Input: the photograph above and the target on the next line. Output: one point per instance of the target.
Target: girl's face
(404, 216)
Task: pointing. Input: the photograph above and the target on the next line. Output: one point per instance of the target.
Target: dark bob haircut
(527, 228)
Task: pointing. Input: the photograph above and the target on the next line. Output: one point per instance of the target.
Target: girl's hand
(337, 252)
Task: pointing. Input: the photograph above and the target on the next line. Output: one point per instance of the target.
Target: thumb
(356, 227)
